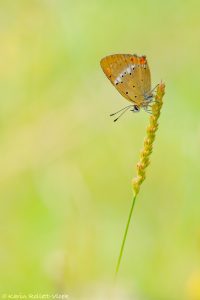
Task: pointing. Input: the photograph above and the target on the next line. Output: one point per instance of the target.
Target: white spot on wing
(128, 70)
(125, 72)
(118, 80)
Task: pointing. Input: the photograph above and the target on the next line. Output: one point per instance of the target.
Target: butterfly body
(131, 76)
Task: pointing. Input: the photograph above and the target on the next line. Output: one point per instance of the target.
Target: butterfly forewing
(129, 74)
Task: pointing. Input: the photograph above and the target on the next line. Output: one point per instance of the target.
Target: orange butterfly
(131, 76)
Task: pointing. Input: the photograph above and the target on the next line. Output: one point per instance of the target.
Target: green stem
(124, 237)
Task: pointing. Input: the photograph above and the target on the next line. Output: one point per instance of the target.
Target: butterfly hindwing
(145, 78)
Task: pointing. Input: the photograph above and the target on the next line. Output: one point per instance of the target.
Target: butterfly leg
(149, 112)
(146, 109)
(155, 101)
(154, 88)
(149, 103)
(150, 97)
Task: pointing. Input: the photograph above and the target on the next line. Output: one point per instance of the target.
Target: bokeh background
(66, 168)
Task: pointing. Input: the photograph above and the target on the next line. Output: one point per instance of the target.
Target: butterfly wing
(145, 76)
(127, 74)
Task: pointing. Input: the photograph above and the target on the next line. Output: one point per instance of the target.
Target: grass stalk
(144, 160)
(125, 235)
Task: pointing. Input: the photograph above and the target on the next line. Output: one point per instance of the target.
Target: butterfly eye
(136, 108)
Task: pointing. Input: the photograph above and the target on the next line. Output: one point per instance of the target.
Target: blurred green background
(66, 168)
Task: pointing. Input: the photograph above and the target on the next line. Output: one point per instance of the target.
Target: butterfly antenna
(125, 110)
(120, 110)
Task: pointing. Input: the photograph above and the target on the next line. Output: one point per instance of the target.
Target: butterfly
(130, 74)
